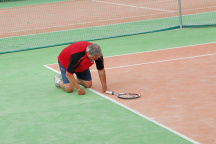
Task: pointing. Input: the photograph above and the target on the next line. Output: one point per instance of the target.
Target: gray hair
(94, 49)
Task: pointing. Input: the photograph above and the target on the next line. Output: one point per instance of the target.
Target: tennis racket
(124, 95)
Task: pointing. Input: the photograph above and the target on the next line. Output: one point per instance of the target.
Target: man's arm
(74, 83)
(102, 76)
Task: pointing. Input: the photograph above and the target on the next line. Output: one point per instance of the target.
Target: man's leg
(84, 78)
(64, 82)
(68, 87)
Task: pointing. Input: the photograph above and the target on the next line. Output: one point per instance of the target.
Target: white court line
(132, 6)
(163, 49)
(156, 2)
(145, 117)
(52, 69)
(199, 9)
(159, 61)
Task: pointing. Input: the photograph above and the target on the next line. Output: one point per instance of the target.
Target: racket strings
(129, 96)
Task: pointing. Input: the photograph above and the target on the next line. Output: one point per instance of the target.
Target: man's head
(93, 51)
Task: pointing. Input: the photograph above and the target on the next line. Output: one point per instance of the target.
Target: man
(76, 59)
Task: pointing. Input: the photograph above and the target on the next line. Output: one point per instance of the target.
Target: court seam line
(145, 117)
(132, 6)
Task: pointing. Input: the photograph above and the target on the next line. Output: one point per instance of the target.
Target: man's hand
(104, 90)
(81, 91)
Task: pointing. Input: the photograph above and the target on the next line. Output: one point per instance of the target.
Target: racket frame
(119, 95)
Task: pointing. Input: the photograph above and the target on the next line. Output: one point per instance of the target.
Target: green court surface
(34, 111)
(17, 3)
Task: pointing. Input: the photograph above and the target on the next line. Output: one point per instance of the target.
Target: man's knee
(88, 85)
(68, 88)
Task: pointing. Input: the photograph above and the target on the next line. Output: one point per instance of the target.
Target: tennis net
(40, 25)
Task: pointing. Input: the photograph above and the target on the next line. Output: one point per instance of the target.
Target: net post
(180, 14)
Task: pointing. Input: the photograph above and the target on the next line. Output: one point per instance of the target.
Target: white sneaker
(56, 79)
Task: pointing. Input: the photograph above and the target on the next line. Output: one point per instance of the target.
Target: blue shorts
(85, 75)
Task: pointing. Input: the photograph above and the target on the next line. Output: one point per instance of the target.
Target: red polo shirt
(74, 58)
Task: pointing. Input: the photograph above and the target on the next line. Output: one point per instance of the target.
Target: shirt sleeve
(100, 63)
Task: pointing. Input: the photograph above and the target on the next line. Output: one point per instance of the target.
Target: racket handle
(109, 92)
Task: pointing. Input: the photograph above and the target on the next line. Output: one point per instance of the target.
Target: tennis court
(173, 70)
